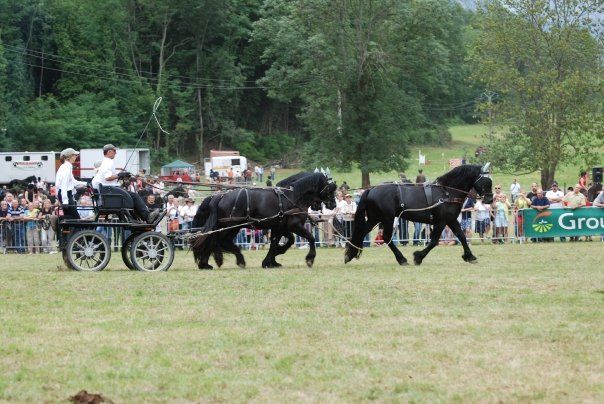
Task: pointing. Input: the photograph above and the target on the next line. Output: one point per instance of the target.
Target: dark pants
(70, 211)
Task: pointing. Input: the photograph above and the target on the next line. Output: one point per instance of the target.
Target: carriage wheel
(87, 250)
(66, 261)
(151, 252)
(126, 252)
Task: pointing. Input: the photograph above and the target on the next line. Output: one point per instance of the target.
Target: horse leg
(301, 231)
(275, 249)
(388, 239)
(418, 256)
(230, 247)
(467, 253)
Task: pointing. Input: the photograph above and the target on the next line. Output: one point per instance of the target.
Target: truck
(132, 160)
(21, 165)
(223, 160)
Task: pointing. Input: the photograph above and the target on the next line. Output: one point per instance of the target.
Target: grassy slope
(525, 323)
(466, 138)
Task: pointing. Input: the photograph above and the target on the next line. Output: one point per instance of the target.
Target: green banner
(563, 222)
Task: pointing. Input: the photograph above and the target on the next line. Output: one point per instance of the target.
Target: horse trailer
(132, 160)
(20, 165)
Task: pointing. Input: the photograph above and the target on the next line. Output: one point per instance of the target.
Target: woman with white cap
(66, 184)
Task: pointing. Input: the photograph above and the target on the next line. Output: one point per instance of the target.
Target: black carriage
(85, 248)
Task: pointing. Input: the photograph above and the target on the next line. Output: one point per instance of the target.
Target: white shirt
(106, 170)
(557, 195)
(64, 181)
(187, 212)
(515, 188)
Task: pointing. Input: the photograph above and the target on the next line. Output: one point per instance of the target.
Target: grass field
(524, 324)
(465, 140)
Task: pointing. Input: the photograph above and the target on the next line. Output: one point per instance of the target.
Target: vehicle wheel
(151, 252)
(87, 250)
(66, 261)
(126, 252)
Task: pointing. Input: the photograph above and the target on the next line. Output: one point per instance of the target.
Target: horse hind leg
(400, 258)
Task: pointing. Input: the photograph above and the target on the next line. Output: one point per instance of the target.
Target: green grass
(465, 140)
(524, 324)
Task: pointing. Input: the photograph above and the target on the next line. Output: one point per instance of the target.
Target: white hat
(69, 152)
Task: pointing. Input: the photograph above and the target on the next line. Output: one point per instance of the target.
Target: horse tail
(204, 245)
(355, 245)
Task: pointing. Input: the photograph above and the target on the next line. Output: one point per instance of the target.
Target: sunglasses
(497, 188)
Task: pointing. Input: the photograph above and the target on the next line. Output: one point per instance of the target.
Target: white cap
(69, 152)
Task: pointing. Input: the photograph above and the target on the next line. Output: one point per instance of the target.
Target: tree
(545, 64)
(363, 70)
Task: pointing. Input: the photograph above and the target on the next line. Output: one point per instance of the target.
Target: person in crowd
(466, 217)
(447, 237)
(47, 234)
(32, 231)
(314, 215)
(107, 176)
(273, 172)
(85, 209)
(501, 207)
(514, 190)
(533, 192)
(599, 201)
(5, 230)
(66, 184)
(583, 181)
(348, 209)
(260, 173)
(555, 197)
(540, 203)
(522, 202)
(187, 213)
(421, 178)
(344, 187)
(483, 218)
(16, 214)
(575, 200)
(417, 231)
(327, 226)
(338, 219)
(379, 237)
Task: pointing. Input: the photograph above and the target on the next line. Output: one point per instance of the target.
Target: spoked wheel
(151, 252)
(87, 250)
(126, 252)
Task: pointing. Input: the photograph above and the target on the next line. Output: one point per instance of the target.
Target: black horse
(22, 184)
(282, 210)
(437, 203)
(277, 232)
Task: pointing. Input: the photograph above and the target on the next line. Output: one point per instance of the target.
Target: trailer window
(44, 158)
(235, 162)
(26, 158)
(8, 158)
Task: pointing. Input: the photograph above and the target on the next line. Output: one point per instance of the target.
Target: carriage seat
(113, 198)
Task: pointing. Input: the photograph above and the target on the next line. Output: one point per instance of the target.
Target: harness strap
(428, 192)
(247, 197)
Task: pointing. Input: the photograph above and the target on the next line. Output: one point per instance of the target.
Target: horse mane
(310, 182)
(455, 177)
(286, 182)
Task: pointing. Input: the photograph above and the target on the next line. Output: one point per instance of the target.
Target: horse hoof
(402, 263)
(309, 263)
(206, 267)
(241, 265)
(417, 259)
(471, 259)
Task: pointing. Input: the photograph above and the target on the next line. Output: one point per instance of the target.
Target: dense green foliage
(344, 83)
(545, 67)
(265, 77)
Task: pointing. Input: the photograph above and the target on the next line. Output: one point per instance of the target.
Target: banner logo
(541, 224)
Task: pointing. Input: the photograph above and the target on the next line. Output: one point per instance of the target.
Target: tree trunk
(161, 62)
(365, 183)
(547, 177)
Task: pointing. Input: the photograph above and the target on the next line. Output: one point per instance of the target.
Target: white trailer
(20, 165)
(223, 163)
(132, 160)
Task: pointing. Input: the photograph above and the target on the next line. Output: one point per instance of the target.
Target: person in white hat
(66, 183)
